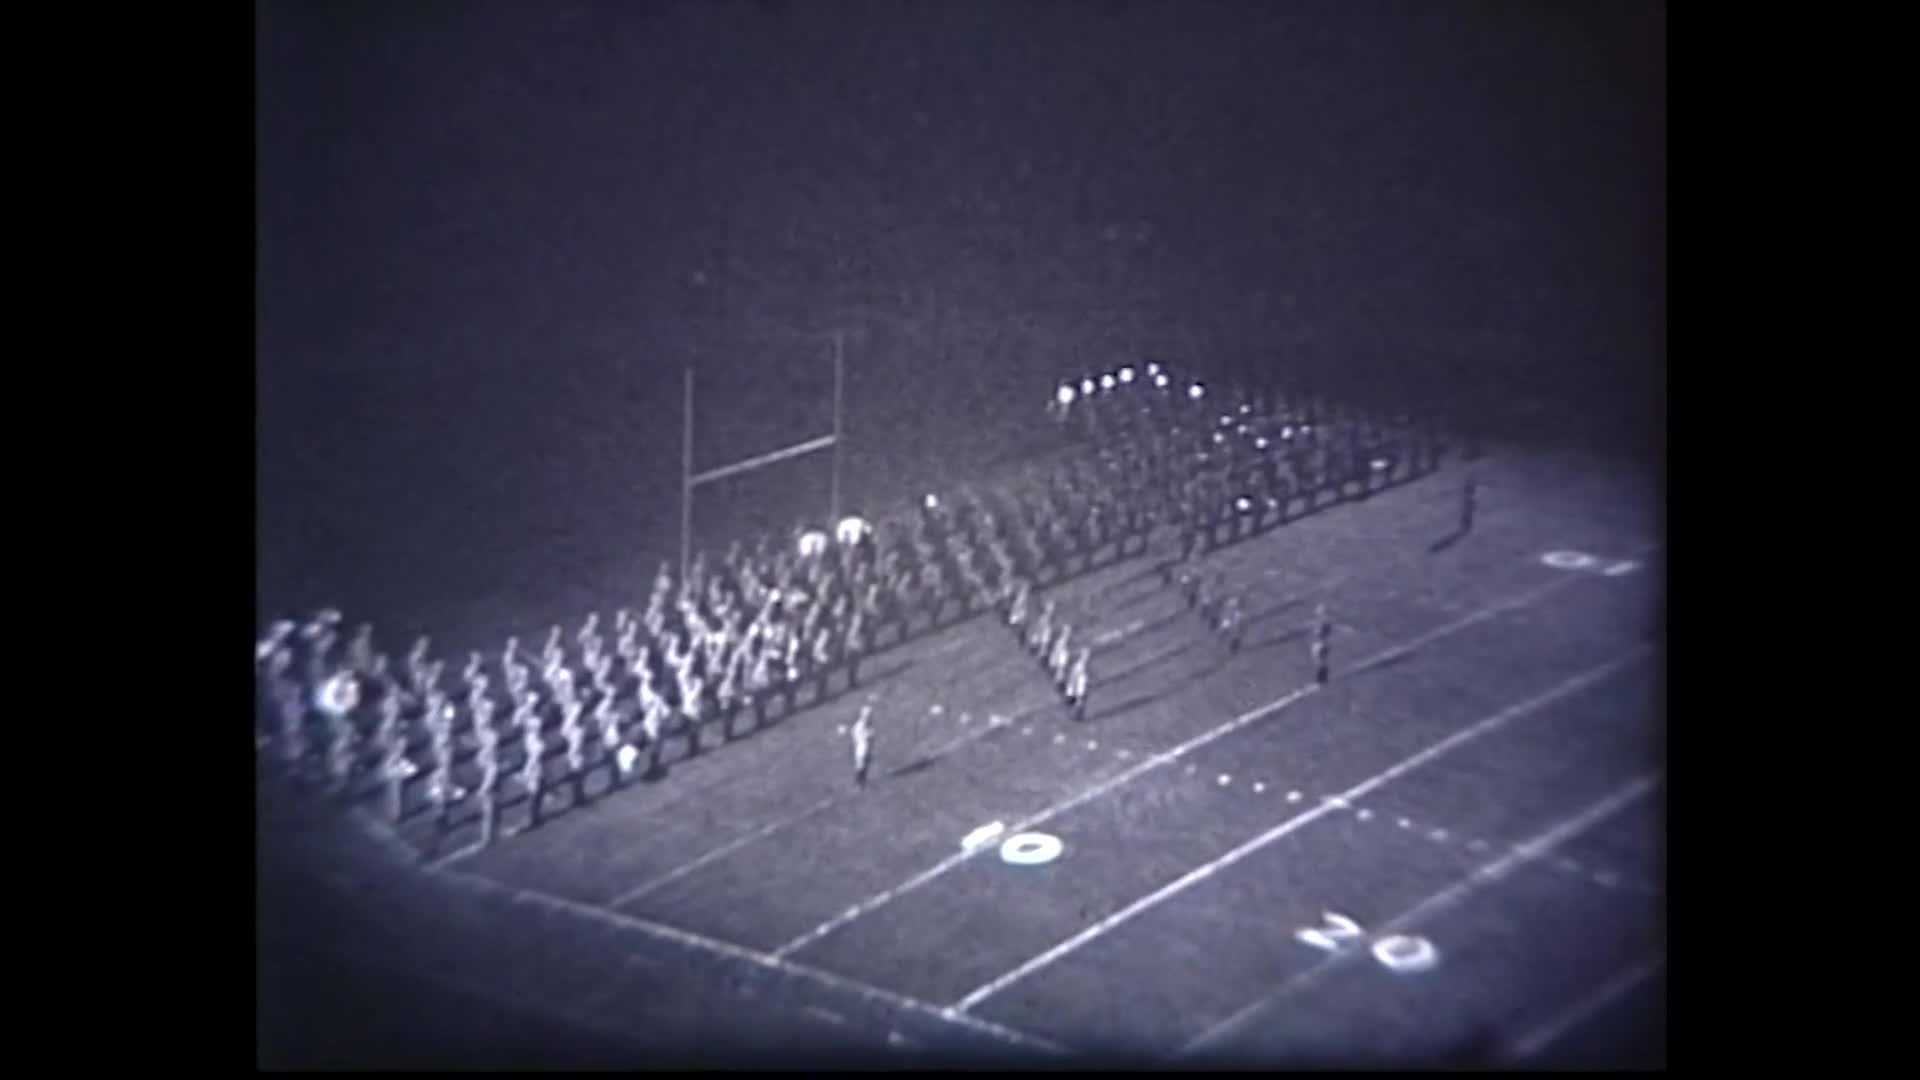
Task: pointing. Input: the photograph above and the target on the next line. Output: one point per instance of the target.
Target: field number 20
(1399, 953)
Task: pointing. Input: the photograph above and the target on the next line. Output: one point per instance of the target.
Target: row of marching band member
(1220, 470)
(767, 624)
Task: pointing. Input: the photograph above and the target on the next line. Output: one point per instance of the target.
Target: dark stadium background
(490, 234)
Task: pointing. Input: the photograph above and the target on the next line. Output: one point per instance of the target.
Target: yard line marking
(1550, 1032)
(1120, 632)
(720, 852)
(1201, 873)
(1169, 756)
(701, 942)
(1537, 848)
(455, 856)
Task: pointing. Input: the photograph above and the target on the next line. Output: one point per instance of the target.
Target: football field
(1454, 845)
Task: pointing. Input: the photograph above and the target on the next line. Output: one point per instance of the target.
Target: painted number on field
(1399, 953)
(1583, 562)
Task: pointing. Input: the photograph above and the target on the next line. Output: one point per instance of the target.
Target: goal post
(689, 480)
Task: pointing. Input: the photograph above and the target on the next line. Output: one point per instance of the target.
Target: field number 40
(1592, 564)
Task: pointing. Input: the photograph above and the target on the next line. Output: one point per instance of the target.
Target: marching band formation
(749, 638)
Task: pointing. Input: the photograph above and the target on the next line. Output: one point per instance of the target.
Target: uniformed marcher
(395, 768)
(338, 697)
(417, 665)
(574, 733)
(1076, 684)
(275, 640)
(693, 689)
(855, 646)
(1469, 502)
(442, 792)
(606, 719)
(862, 734)
(1061, 654)
(360, 650)
(1189, 580)
(790, 673)
(290, 713)
(1322, 635)
(533, 745)
(1041, 633)
(653, 718)
(1230, 623)
(487, 759)
(1017, 609)
(728, 693)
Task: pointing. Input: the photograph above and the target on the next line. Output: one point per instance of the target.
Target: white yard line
(753, 956)
(1201, 873)
(1538, 847)
(1612, 990)
(1168, 756)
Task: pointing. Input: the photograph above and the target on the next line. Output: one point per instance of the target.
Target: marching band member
(603, 685)
(790, 671)
(862, 734)
(533, 759)
(559, 680)
(1322, 634)
(417, 665)
(1231, 624)
(442, 792)
(319, 637)
(487, 757)
(360, 650)
(655, 617)
(692, 689)
(395, 768)
(1057, 662)
(1042, 631)
(653, 717)
(1076, 685)
(1017, 610)
(727, 694)
(822, 661)
(290, 709)
(855, 647)
(760, 674)
(275, 640)
(574, 734)
(338, 697)
(591, 649)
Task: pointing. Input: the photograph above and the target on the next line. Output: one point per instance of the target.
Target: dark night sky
(479, 226)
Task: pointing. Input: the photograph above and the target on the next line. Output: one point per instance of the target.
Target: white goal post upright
(690, 480)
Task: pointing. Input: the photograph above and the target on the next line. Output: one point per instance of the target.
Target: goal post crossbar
(769, 458)
(689, 480)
